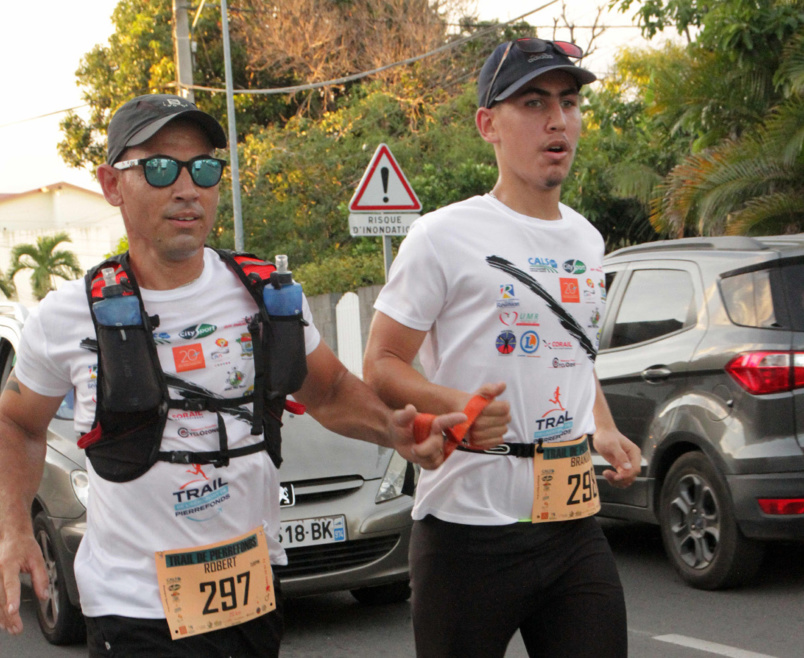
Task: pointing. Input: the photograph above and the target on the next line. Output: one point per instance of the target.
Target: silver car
(345, 521)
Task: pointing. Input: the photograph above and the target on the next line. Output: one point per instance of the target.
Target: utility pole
(230, 112)
(183, 52)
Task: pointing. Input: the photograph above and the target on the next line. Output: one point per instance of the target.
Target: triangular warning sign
(384, 187)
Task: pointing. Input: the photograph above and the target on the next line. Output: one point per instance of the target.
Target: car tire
(699, 531)
(398, 592)
(60, 621)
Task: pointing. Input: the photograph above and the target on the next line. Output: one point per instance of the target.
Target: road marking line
(711, 647)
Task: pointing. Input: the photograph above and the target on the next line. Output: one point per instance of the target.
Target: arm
(24, 417)
(344, 404)
(388, 369)
(623, 454)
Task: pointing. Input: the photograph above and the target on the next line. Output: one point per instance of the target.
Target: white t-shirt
(503, 297)
(202, 338)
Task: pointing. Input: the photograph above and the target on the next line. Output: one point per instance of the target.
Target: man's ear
(109, 179)
(484, 120)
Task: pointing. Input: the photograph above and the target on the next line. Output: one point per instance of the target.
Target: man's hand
(19, 554)
(429, 454)
(492, 423)
(622, 453)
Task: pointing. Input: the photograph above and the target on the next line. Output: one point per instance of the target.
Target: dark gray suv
(702, 363)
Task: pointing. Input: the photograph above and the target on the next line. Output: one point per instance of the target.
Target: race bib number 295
(564, 482)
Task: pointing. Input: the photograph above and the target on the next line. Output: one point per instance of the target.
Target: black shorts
(474, 586)
(128, 637)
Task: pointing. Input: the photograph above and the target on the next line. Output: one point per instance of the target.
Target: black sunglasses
(162, 170)
(533, 45)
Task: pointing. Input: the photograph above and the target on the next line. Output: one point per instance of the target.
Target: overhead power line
(42, 116)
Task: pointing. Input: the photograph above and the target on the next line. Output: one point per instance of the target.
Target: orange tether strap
(422, 424)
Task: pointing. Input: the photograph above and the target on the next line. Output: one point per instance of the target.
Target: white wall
(93, 225)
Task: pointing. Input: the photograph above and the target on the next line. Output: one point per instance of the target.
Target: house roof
(47, 189)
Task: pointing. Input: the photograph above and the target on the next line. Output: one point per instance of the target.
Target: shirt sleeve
(417, 286)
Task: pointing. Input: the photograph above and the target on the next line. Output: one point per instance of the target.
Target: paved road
(666, 619)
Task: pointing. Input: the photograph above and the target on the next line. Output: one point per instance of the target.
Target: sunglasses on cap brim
(533, 45)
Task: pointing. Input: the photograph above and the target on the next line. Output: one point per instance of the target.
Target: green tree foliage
(732, 93)
(7, 286)
(45, 262)
(753, 185)
(138, 59)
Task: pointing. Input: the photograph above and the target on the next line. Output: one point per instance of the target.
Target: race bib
(207, 588)
(564, 482)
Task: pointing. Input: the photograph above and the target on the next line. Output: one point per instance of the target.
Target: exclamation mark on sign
(384, 174)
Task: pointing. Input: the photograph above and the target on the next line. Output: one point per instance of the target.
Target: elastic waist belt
(527, 450)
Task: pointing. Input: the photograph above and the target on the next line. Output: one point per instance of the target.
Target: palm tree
(45, 263)
(7, 286)
(750, 185)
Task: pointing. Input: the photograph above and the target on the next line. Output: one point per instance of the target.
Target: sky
(42, 43)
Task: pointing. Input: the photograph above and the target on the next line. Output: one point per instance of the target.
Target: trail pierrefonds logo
(506, 342)
(573, 266)
(199, 499)
(556, 422)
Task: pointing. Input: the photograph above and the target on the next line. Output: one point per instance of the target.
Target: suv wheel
(699, 531)
(398, 592)
(61, 622)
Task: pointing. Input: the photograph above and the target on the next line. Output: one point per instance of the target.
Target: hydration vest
(132, 389)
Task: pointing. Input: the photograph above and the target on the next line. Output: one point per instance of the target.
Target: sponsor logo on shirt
(573, 266)
(543, 265)
(189, 357)
(506, 342)
(555, 423)
(246, 345)
(200, 498)
(161, 337)
(570, 293)
(507, 296)
(198, 331)
(562, 363)
(558, 344)
(529, 343)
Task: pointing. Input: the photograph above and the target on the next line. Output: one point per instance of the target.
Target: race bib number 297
(207, 588)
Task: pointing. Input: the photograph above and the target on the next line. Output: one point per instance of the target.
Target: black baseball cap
(514, 63)
(142, 117)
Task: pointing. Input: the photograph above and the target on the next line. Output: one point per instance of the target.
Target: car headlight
(394, 479)
(80, 482)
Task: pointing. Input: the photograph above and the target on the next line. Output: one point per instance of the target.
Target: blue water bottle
(285, 346)
(115, 309)
(283, 296)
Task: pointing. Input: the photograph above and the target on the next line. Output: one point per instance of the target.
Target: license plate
(312, 532)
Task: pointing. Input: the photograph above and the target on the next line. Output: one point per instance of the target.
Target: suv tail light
(781, 505)
(768, 372)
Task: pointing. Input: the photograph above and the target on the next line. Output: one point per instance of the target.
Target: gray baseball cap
(514, 63)
(142, 117)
